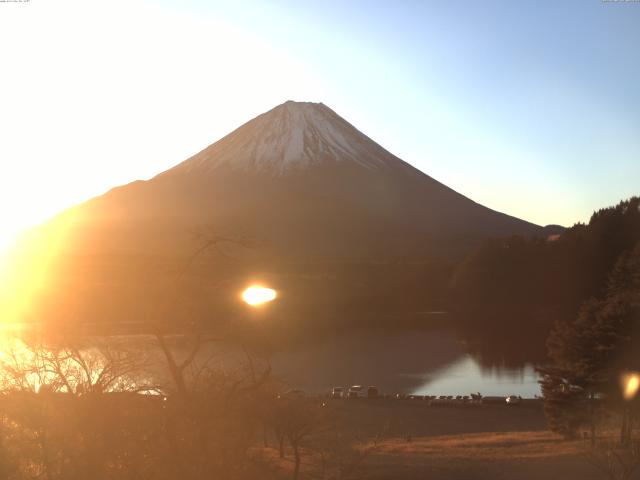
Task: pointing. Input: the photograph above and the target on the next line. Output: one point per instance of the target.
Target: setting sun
(257, 295)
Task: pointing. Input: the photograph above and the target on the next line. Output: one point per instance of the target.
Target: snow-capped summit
(293, 135)
(338, 223)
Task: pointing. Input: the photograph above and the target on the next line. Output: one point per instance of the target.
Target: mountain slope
(334, 219)
(301, 177)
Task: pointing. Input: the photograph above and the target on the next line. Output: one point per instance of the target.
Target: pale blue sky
(529, 107)
(532, 107)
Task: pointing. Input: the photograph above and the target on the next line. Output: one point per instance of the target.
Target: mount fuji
(339, 224)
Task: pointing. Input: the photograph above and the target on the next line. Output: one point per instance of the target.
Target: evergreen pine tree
(589, 355)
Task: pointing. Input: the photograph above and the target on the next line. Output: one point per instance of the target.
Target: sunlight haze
(281, 239)
(99, 94)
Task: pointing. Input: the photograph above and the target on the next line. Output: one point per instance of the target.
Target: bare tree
(617, 461)
(343, 455)
(295, 420)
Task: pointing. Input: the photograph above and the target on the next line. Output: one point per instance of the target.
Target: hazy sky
(528, 107)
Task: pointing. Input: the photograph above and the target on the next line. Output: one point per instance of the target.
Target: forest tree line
(578, 294)
(518, 288)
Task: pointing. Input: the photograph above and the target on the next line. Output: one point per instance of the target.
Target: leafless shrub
(616, 461)
(343, 456)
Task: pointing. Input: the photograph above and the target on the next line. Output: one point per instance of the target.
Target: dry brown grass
(491, 455)
(484, 443)
(529, 455)
(484, 446)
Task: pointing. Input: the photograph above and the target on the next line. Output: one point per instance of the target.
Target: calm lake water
(467, 375)
(420, 362)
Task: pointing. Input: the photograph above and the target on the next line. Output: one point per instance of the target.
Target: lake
(432, 362)
(425, 361)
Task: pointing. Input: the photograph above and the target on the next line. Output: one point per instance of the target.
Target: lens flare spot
(257, 295)
(631, 383)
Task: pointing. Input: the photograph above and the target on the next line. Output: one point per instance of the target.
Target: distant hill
(340, 225)
(553, 230)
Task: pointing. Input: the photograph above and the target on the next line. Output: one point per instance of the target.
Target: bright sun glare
(25, 259)
(257, 295)
(631, 385)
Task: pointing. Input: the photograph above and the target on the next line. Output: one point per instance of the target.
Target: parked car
(513, 400)
(337, 392)
(372, 391)
(493, 400)
(294, 393)
(355, 391)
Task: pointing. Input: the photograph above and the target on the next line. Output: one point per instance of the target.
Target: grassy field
(508, 455)
(414, 441)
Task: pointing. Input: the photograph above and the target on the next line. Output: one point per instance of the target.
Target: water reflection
(368, 358)
(466, 375)
(422, 361)
(416, 361)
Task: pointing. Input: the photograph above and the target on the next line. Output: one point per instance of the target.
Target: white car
(355, 391)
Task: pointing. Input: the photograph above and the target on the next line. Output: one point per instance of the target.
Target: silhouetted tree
(589, 355)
